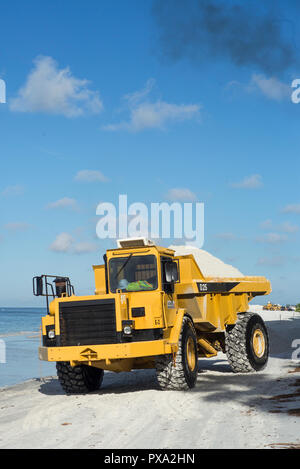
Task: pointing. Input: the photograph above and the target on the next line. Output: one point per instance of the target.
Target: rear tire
(80, 379)
(247, 344)
(183, 375)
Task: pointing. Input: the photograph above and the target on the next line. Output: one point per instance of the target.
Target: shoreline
(19, 333)
(20, 362)
(24, 383)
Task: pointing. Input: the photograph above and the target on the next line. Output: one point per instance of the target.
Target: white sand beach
(224, 410)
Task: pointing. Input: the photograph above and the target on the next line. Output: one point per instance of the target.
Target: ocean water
(19, 342)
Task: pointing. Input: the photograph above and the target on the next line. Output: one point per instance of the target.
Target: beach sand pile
(209, 265)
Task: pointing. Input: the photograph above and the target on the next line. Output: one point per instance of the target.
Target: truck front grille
(87, 322)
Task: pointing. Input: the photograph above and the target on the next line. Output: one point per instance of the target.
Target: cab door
(169, 298)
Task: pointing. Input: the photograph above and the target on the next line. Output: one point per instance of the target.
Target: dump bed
(214, 302)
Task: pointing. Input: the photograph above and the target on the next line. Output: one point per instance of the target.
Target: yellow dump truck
(272, 307)
(151, 309)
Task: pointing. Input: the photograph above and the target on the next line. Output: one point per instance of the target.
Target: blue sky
(99, 104)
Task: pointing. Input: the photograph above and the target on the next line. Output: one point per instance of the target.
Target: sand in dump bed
(209, 265)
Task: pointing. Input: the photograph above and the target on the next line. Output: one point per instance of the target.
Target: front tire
(247, 344)
(181, 375)
(80, 379)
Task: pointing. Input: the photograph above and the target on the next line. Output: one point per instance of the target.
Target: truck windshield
(133, 273)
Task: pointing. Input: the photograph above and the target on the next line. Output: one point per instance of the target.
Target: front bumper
(91, 353)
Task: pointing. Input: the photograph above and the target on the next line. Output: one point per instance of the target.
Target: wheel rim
(259, 343)
(191, 354)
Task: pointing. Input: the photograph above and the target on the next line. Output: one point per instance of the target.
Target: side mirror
(171, 272)
(38, 286)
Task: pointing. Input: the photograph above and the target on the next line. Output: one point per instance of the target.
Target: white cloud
(17, 226)
(181, 194)
(272, 88)
(267, 224)
(250, 182)
(134, 98)
(156, 116)
(285, 227)
(227, 236)
(87, 175)
(13, 190)
(288, 227)
(62, 243)
(146, 114)
(275, 261)
(292, 208)
(84, 247)
(66, 202)
(272, 238)
(51, 90)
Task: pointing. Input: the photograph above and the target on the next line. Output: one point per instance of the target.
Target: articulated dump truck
(151, 309)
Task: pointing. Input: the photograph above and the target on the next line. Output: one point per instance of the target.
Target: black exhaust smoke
(252, 33)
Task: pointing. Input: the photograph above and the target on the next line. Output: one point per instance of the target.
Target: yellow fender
(176, 329)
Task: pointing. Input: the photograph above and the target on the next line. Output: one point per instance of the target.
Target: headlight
(127, 330)
(51, 334)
